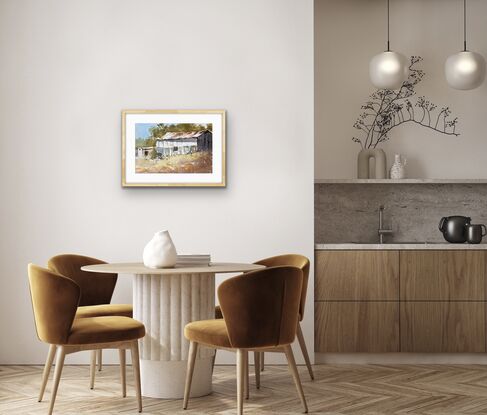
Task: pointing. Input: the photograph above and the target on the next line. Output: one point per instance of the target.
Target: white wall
(67, 70)
(348, 34)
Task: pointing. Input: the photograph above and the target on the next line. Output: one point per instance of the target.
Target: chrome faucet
(381, 231)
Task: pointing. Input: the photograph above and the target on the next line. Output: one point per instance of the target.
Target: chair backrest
(261, 307)
(96, 288)
(292, 260)
(54, 301)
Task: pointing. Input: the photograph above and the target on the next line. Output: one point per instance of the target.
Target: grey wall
(348, 33)
(349, 213)
(67, 70)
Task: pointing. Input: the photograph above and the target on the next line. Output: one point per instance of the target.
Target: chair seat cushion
(124, 310)
(105, 330)
(209, 332)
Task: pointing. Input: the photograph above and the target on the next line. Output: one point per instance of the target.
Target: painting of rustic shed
(173, 147)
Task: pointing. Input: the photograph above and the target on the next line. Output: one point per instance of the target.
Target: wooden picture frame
(173, 148)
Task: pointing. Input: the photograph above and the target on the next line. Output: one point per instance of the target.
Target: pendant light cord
(388, 26)
(464, 25)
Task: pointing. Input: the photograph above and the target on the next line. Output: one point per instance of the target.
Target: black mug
(475, 233)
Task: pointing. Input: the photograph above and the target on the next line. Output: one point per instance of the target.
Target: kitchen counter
(398, 246)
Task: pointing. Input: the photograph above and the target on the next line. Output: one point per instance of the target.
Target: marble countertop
(398, 246)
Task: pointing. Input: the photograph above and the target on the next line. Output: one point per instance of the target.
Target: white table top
(139, 268)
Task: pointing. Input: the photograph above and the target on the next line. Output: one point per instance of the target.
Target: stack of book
(193, 260)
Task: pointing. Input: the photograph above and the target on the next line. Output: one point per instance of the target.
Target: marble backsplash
(349, 212)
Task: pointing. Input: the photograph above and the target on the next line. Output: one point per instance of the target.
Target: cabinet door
(442, 275)
(443, 327)
(357, 275)
(365, 326)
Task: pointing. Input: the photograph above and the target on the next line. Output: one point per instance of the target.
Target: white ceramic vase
(398, 169)
(160, 252)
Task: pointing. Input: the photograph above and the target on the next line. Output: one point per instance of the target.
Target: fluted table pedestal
(165, 304)
(165, 300)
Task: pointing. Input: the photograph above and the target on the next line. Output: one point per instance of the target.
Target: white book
(194, 259)
(194, 256)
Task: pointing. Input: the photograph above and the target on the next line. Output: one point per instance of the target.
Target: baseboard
(402, 358)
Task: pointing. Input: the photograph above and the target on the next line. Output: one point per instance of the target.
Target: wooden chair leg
(92, 369)
(136, 366)
(240, 380)
(47, 370)
(213, 363)
(246, 386)
(193, 348)
(302, 344)
(294, 371)
(100, 364)
(61, 354)
(121, 353)
(257, 369)
(261, 361)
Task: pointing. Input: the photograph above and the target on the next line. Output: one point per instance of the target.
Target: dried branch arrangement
(387, 109)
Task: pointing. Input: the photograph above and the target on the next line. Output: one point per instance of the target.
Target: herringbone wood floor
(338, 389)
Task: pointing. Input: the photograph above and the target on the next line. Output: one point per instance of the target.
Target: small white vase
(398, 169)
(160, 252)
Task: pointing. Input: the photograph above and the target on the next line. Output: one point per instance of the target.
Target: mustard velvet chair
(96, 294)
(302, 263)
(260, 313)
(55, 300)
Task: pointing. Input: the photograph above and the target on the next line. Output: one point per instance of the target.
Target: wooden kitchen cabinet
(443, 327)
(357, 275)
(442, 275)
(408, 301)
(353, 326)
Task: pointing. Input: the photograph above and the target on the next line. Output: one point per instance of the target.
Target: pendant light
(388, 70)
(465, 70)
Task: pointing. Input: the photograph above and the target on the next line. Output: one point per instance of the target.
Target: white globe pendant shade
(465, 70)
(388, 70)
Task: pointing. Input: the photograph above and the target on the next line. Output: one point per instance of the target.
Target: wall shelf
(400, 181)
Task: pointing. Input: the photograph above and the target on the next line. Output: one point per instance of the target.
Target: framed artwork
(173, 148)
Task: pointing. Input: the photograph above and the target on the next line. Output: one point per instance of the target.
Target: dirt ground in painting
(200, 162)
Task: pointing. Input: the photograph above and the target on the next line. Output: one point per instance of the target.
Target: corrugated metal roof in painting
(182, 135)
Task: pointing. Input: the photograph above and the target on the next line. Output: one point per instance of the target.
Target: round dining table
(165, 300)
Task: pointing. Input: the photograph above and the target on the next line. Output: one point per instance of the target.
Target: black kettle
(454, 228)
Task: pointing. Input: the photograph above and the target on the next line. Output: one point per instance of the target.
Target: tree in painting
(387, 109)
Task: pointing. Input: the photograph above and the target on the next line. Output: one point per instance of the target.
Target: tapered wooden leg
(47, 370)
(261, 361)
(136, 366)
(213, 363)
(92, 369)
(193, 348)
(100, 364)
(294, 371)
(240, 380)
(121, 353)
(61, 353)
(257, 369)
(302, 344)
(246, 386)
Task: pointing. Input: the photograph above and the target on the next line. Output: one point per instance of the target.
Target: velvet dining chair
(96, 294)
(302, 263)
(260, 312)
(55, 301)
